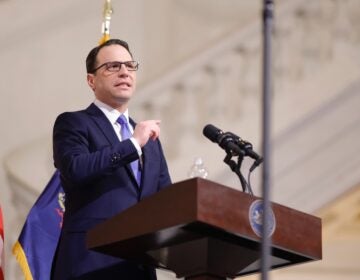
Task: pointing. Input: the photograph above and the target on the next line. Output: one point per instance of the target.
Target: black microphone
(225, 140)
(232, 143)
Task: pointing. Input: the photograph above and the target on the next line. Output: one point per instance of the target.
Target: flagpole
(105, 29)
(266, 121)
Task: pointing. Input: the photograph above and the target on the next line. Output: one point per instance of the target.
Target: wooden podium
(203, 230)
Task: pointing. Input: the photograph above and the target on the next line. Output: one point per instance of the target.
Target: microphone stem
(236, 168)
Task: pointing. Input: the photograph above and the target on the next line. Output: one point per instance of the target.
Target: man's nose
(123, 70)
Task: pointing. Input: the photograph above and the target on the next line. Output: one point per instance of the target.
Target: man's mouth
(122, 84)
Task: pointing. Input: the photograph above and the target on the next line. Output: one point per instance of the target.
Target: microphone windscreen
(211, 132)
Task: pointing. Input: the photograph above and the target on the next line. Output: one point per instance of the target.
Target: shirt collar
(111, 113)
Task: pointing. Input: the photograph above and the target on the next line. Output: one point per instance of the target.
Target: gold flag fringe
(19, 253)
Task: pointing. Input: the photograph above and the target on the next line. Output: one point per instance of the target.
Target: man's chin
(124, 94)
(120, 100)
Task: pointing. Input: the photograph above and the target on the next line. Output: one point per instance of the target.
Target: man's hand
(146, 130)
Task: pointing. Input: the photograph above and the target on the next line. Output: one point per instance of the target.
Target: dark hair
(91, 58)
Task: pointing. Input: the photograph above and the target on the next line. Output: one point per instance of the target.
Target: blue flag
(38, 239)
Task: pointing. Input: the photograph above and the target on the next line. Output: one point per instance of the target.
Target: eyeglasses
(115, 66)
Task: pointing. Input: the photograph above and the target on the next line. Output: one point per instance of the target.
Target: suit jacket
(98, 183)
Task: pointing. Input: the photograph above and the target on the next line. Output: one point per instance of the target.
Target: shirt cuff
(137, 146)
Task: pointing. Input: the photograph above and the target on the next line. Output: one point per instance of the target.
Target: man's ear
(90, 79)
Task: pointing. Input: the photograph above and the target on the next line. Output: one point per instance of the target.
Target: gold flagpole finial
(106, 22)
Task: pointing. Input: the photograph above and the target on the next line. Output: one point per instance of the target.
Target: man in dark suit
(103, 172)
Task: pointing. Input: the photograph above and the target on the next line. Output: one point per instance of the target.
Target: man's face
(113, 88)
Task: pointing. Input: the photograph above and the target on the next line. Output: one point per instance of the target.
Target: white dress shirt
(112, 115)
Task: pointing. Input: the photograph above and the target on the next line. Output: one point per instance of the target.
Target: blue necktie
(126, 134)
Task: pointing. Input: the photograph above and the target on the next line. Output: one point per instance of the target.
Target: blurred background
(200, 63)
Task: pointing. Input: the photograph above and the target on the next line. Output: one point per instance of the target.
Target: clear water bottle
(198, 169)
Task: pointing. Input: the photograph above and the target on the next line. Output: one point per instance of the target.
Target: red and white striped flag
(1, 246)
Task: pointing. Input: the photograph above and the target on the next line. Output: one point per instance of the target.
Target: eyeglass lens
(115, 66)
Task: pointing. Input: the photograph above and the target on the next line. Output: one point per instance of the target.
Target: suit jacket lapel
(141, 160)
(147, 161)
(103, 123)
(107, 129)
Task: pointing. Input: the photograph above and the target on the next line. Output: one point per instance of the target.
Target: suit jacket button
(115, 158)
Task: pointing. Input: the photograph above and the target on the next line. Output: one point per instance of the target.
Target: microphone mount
(234, 146)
